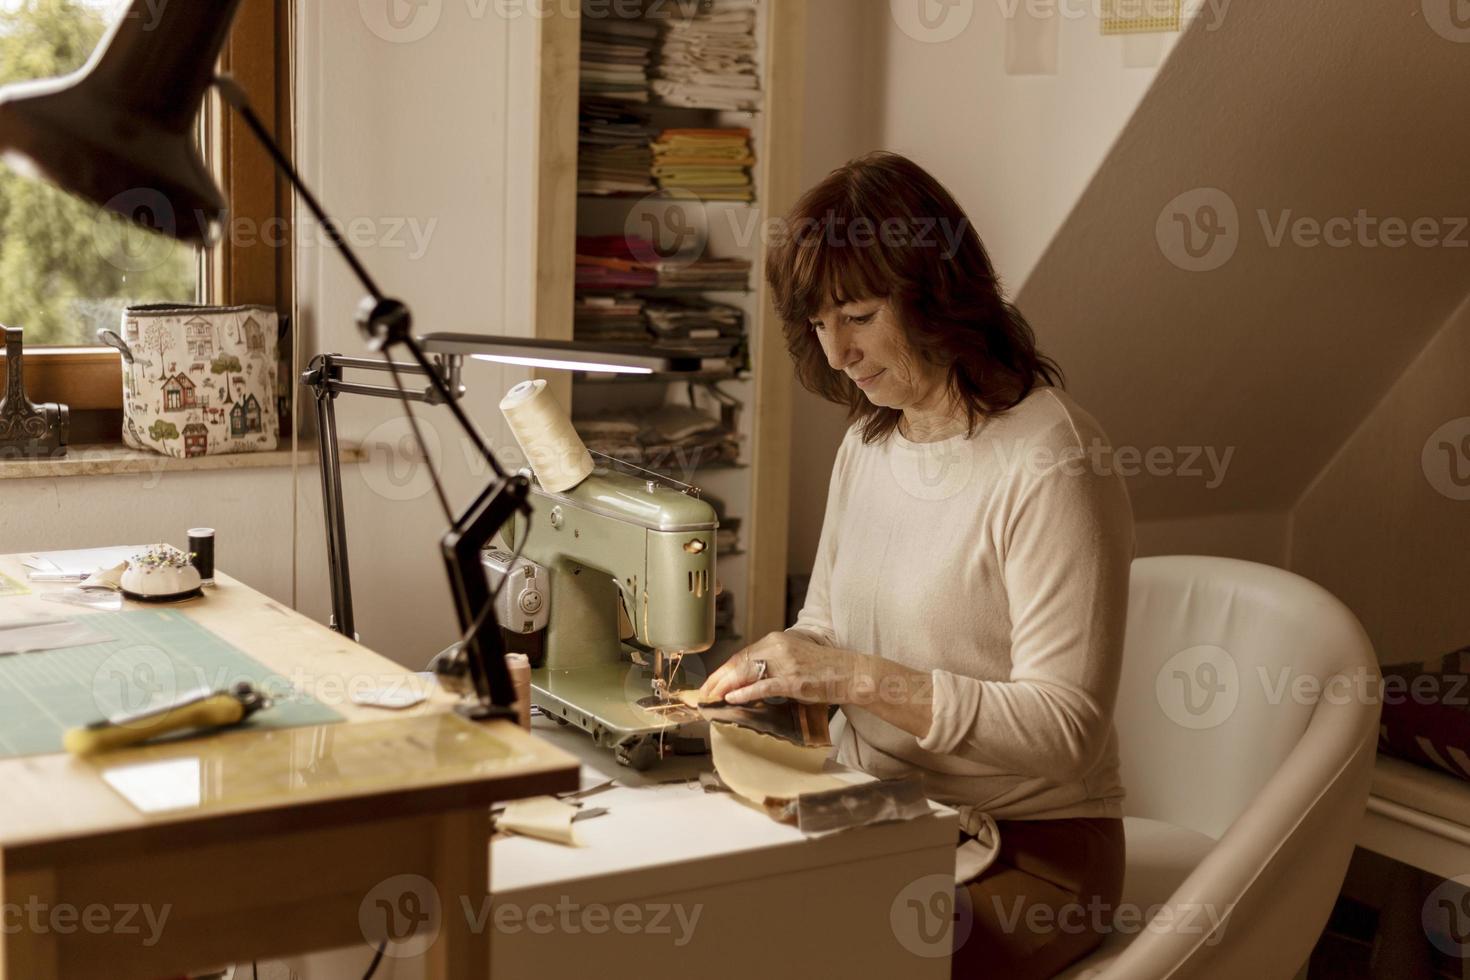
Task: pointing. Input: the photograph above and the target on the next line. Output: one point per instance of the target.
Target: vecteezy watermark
(401, 21)
(1101, 918)
(836, 231)
(1201, 687)
(932, 21)
(38, 918)
(1450, 19)
(674, 920)
(134, 679)
(149, 13)
(404, 916)
(940, 470)
(1446, 459)
(1123, 10)
(667, 233)
(406, 21)
(932, 916)
(933, 470)
(396, 467)
(1200, 230)
(1097, 457)
(134, 231)
(401, 916)
(1198, 687)
(1445, 917)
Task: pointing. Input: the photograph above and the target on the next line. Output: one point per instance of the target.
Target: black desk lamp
(125, 124)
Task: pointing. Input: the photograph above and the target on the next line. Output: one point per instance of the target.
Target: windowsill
(113, 460)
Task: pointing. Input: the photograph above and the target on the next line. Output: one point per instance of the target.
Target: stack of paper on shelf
(707, 59)
(706, 163)
(613, 149)
(615, 56)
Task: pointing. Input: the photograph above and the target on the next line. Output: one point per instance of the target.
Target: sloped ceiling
(1293, 110)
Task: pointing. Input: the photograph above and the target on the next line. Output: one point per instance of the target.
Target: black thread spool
(201, 552)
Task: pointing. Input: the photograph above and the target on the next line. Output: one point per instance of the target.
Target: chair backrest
(1224, 663)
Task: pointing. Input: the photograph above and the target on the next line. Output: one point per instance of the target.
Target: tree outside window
(67, 268)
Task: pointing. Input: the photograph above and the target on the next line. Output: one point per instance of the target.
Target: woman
(967, 604)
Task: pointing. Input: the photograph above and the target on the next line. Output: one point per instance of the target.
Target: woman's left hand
(796, 668)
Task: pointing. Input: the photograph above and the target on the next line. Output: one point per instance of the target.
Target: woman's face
(865, 340)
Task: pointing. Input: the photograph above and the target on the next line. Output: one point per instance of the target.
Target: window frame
(239, 269)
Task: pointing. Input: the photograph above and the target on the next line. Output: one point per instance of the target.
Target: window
(68, 269)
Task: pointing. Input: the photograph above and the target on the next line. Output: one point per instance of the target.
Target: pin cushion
(163, 573)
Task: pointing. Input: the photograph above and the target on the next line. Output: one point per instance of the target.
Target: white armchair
(1247, 718)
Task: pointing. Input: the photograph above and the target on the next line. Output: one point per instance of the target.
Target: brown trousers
(1046, 902)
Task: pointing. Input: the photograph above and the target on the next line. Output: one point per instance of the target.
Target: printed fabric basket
(199, 380)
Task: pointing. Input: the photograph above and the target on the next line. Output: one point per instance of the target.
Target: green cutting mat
(154, 657)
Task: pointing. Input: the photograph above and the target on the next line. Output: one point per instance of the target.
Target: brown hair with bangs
(882, 228)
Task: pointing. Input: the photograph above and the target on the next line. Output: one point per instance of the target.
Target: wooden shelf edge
(115, 460)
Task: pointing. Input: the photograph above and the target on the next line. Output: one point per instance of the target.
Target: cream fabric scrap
(543, 817)
(764, 769)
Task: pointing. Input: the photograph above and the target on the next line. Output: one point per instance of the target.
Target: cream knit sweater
(999, 564)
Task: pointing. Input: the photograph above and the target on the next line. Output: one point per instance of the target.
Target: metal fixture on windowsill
(27, 430)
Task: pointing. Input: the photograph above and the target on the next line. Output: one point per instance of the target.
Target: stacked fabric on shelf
(705, 273)
(710, 164)
(707, 59)
(613, 262)
(671, 439)
(613, 149)
(605, 319)
(615, 56)
(694, 319)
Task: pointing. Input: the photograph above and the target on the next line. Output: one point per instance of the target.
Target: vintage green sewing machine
(616, 585)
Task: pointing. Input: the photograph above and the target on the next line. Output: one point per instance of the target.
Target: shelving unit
(756, 489)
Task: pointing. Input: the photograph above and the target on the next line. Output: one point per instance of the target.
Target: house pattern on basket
(199, 338)
(212, 389)
(196, 440)
(254, 336)
(179, 394)
(245, 416)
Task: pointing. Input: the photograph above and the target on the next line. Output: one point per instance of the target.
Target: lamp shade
(120, 132)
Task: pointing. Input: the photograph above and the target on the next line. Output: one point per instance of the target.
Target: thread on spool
(545, 434)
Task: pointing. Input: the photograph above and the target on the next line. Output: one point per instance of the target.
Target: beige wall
(841, 89)
(418, 130)
(1386, 526)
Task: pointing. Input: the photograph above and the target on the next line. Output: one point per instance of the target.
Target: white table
(676, 881)
(756, 897)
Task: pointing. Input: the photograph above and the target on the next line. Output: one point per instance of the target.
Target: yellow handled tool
(220, 709)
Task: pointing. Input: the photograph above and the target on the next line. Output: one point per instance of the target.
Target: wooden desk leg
(27, 953)
(462, 877)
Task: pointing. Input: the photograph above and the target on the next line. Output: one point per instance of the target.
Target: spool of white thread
(544, 431)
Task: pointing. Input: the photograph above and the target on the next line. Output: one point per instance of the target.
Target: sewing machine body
(628, 559)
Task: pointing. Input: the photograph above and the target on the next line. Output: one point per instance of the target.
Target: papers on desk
(80, 562)
(36, 633)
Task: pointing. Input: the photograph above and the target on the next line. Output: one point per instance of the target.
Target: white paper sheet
(34, 634)
(83, 561)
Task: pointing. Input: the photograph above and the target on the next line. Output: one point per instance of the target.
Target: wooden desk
(246, 879)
